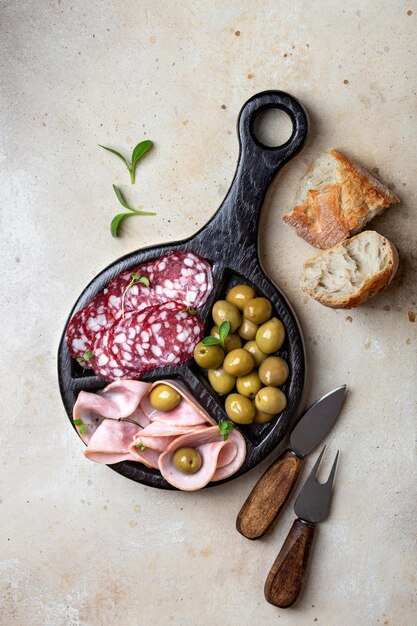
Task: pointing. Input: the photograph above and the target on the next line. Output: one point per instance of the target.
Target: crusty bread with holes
(336, 198)
(354, 270)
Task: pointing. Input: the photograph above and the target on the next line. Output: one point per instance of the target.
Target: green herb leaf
(136, 278)
(115, 223)
(121, 198)
(211, 341)
(190, 311)
(138, 151)
(224, 330)
(225, 426)
(82, 430)
(78, 422)
(87, 355)
(117, 154)
(141, 447)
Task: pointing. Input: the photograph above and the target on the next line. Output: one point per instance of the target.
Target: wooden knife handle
(268, 496)
(287, 573)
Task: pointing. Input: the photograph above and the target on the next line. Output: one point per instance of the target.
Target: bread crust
(332, 212)
(374, 285)
(321, 209)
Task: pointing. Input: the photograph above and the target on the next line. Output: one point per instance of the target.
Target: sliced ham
(228, 469)
(148, 457)
(152, 437)
(159, 435)
(212, 449)
(184, 414)
(118, 400)
(110, 442)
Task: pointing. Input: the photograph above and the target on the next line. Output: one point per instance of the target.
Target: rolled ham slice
(228, 469)
(187, 413)
(159, 435)
(213, 450)
(118, 400)
(110, 442)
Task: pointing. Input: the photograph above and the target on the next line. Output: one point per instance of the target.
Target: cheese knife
(272, 490)
(286, 576)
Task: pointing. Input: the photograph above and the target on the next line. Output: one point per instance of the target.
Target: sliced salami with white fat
(160, 336)
(136, 297)
(83, 327)
(184, 277)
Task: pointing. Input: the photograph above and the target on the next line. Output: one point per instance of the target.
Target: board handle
(267, 498)
(237, 218)
(285, 579)
(252, 150)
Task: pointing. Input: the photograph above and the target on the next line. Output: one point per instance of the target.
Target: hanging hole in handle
(272, 127)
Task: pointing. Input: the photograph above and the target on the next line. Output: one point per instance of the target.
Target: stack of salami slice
(132, 328)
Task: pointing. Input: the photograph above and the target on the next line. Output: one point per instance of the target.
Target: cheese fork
(286, 576)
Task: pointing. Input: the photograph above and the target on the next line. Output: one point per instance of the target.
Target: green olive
(257, 354)
(270, 336)
(247, 329)
(239, 295)
(232, 341)
(258, 310)
(270, 400)
(223, 311)
(239, 409)
(238, 362)
(221, 381)
(209, 357)
(263, 418)
(273, 371)
(187, 460)
(164, 398)
(249, 385)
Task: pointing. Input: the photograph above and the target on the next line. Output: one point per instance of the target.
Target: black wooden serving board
(229, 241)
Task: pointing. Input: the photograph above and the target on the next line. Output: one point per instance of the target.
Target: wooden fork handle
(268, 496)
(288, 571)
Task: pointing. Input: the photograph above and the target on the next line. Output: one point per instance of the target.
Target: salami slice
(137, 297)
(115, 355)
(183, 277)
(173, 333)
(85, 324)
(160, 336)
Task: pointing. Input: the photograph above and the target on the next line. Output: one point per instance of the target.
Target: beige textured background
(80, 544)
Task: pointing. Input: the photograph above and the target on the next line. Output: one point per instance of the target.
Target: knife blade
(272, 490)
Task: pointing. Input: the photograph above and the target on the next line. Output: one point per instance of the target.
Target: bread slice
(352, 271)
(338, 197)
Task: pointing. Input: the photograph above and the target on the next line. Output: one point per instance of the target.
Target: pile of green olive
(246, 362)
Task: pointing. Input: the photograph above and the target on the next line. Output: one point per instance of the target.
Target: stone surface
(81, 545)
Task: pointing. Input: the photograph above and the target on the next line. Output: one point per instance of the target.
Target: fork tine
(311, 478)
(330, 480)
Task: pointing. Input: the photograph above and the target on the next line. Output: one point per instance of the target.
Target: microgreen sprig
(224, 330)
(116, 221)
(141, 447)
(225, 426)
(136, 278)
(87, 355)
(138, 151)
(190, 311)
(83, 427)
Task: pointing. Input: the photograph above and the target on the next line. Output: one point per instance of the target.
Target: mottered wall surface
(82, 545)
